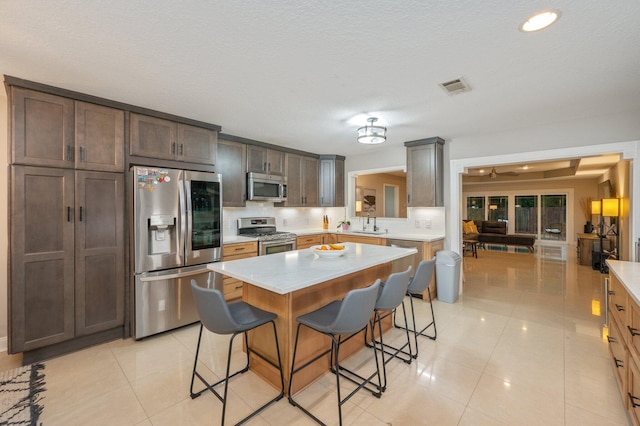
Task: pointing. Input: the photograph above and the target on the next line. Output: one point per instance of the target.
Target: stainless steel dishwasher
(403, 263)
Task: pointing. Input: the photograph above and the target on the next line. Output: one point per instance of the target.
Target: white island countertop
(287, 272)
(628, 273)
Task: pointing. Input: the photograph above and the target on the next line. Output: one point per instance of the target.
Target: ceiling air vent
(456, 86)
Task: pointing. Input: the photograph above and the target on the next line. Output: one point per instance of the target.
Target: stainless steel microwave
(261, 187)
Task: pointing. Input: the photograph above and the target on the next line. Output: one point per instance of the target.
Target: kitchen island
(294, 283)
(623, 332)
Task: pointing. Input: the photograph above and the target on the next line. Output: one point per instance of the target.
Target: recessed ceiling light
(540, 21)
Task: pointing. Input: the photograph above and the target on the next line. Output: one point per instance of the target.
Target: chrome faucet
(375, 226)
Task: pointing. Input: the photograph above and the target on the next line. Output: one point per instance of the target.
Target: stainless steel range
(263, 229)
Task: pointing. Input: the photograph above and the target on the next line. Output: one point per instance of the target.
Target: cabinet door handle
(619, 307)
(633, 400)
(619, 363)
(612, 293)
(68, 214)
(264, 167)
(181, 149)
(69, 153)
(80, 213)
(239, 249)
(611, 339)
(408, 198)
(173, 147)
(238, 287)
(633, 331)
(268, 167)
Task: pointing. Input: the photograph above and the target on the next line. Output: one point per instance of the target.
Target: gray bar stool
(390, 297)
(419, 283)
(347, 317)
(234, 318)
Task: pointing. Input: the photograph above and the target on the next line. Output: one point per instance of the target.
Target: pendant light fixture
(372, 134)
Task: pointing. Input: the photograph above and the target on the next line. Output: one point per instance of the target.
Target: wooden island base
(290, 306)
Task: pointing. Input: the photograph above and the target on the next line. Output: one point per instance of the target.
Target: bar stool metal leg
(336, 320)
(234, 319)
(390, 297)
(419, 283)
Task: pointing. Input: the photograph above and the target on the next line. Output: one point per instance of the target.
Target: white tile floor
(521, 347)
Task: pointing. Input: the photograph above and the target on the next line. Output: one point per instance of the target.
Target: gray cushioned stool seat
(235, 318)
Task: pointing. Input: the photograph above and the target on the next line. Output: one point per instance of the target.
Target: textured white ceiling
(298, 73)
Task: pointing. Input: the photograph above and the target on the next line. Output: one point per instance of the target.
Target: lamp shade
(358, 206)
(596, 207)
(610, 207)
(372, 134)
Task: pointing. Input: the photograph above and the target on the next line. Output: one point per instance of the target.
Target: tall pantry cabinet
(66, 220)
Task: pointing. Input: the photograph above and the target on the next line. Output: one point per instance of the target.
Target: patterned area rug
(20, 394)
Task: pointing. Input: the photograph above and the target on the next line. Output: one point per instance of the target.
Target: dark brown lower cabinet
(67, 255)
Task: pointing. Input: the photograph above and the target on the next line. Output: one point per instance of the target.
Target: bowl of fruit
(329, 251)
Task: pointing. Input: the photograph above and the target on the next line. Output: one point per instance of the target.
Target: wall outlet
(417, 223)
(427, 223)
(284, 222)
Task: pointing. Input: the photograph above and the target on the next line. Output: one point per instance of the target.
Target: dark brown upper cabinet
(53, 131)
(232, 165)
(41, 129)
(265, 160)
(99, 138)
(302, 181)
(425, 173)
(331, 181)
(154, 137)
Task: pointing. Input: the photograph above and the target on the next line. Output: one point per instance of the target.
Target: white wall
(622, 127)
(4, 220)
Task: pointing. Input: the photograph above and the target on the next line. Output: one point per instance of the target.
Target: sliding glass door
(499, 208)
(475, 208)
(544, 216)
(526, 214)
(554, 213)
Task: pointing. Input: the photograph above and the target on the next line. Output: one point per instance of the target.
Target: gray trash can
(448, 275)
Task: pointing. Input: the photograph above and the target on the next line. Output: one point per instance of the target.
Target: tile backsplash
(428, 221)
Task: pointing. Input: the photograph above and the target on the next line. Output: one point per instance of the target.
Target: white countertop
(629, 275)
(286, 272)
(230, 239)
(412, 237)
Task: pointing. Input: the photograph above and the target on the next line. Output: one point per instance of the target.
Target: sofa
(490, 232)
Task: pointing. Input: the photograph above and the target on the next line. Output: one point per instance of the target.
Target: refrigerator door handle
(170, 276)
(183, 219)
(188, 220)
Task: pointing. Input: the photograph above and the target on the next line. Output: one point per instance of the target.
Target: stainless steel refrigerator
(177, 231)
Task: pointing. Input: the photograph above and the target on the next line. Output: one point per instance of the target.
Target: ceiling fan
(493, 174)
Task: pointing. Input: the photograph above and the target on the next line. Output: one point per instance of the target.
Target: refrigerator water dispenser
(162, 230)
